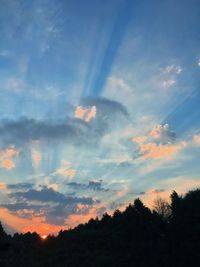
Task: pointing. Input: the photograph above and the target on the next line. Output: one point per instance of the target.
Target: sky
(99, 105)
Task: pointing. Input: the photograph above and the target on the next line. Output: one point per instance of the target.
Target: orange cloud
(53, 186)
(7, 164)
(35, 224)
(155, 151)
(8, 153)
(140, 139)
(2, 185)
(6, 156)
(86, 114)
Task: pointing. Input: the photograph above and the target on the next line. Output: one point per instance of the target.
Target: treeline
(168, 235)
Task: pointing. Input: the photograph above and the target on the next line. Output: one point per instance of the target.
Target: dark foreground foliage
(167, 236)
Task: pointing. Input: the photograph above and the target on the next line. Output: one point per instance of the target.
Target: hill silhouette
(168, 235)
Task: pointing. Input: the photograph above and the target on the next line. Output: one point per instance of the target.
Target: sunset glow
(44, 237)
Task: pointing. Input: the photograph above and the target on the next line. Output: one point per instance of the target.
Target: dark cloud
(73, 130)
(25, 130)
(53, 206)
(14, 207)
(156, 191)
(49, 195)
(91, 185)
(20, 186)
(106, 106)
(57, 215)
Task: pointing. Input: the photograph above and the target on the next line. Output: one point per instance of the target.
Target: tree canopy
(168, 235)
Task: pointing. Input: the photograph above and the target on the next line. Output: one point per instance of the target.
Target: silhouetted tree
(162, 207)
(2, 232)
(136, 237)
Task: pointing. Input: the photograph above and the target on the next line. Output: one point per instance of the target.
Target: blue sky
(99, 104)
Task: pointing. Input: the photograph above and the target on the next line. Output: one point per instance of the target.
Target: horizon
(99, 106)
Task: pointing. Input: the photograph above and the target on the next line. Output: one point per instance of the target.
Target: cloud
(91, 185)
(2, 185)
(169, 75)
(159, 134)
(21, 206)
(196, 139)
(53, 206)
(75, 131)
(171, 69)
(26, 130)
(49, 195)
(163, 134)
(9, 152)
(106, 106)
(7, 164)
(85, 113)
(156, 191)
(20, 186)
(198, 63)
(65, 172)
(53, 186)
(119, 160)
(139, 139)
(116, 84)
(6, 157)
(155, 151)
(158, 143)
(168, 83)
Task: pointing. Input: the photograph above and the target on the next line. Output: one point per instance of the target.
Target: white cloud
(168, 83)
(169, 75)
(171, 69)
(118, 84)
